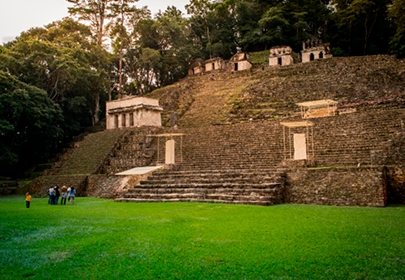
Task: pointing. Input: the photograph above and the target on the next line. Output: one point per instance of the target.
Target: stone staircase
(244, 186)
(240, 163)
(356, 139)
(78, 163)
(228, 164)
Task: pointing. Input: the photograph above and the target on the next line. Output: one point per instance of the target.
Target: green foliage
(361, 27)
(29, 124)
(260, 58)
(396, 14)
(97, 238)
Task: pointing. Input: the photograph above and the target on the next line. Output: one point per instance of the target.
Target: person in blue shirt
(72, 194)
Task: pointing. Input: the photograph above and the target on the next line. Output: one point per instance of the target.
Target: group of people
(65, 193)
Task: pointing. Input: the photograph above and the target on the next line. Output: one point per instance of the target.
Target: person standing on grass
(72, 194)
(57, 195)
(64, 195)
(68, 193)
(51, 193)
(27, 200)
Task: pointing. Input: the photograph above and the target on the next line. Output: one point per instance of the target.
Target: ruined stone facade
(215, 63)
(240, 61)
(281, 55)
(133, 112)
(315, 49)
(196, 67)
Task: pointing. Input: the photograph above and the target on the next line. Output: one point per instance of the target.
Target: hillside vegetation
(219, 97)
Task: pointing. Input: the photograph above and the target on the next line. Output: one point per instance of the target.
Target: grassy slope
(100, 239)
(219, 97)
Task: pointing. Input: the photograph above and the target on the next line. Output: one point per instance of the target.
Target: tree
(62, 60)
(248, 30)
(275, 25)
(199, 23)
(223, 29)
(175, 46)
(396, 14)
(365, 23)
(124, 15)
(29, 125)
(94, 12)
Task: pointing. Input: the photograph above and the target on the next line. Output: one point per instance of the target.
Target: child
(27, 200)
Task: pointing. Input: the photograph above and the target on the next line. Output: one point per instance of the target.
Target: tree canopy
(29, 124)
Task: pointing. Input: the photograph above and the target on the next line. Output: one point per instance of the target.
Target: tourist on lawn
(68, 193)
(27, 200)
(57, 195)
(72, 194)
(64, 195)
(51, 193)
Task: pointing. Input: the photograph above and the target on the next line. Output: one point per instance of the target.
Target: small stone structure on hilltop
(133, 112)
(215, 63)
(315, 49)
(196, 67)
(281, 55)
(240, 61)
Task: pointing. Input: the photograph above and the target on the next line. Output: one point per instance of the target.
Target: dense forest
(55, 80)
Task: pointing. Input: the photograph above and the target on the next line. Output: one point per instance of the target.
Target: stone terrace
(346, 80)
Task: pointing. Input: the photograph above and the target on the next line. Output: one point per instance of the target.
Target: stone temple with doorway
(315, 49)
(133, 112)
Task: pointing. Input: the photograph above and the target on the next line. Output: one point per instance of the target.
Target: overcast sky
(20, 15)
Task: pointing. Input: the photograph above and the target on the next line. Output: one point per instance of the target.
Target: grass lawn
(101, 239)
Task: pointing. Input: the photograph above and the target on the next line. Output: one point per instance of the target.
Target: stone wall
(281, 56)
(215, 64)
(343, 187)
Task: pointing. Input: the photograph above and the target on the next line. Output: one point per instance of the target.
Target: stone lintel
(133, 108)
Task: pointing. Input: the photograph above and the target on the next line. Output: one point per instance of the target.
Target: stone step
(195, 179)
(260, 203)
(210, 185)
(218, 196)
(214, 172)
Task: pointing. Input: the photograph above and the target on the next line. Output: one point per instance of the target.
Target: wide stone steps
(205, 200)
(186, 186)
(209, 177)
(261, 187)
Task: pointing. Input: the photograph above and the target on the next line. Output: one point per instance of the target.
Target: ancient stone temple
(281, 55)
(215, 63)
(240, 61)
(196, 67)
(315, 49)
(133, 112)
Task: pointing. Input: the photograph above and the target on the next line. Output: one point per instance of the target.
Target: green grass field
(101, 239)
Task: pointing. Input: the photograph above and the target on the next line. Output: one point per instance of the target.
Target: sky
(17, 16)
